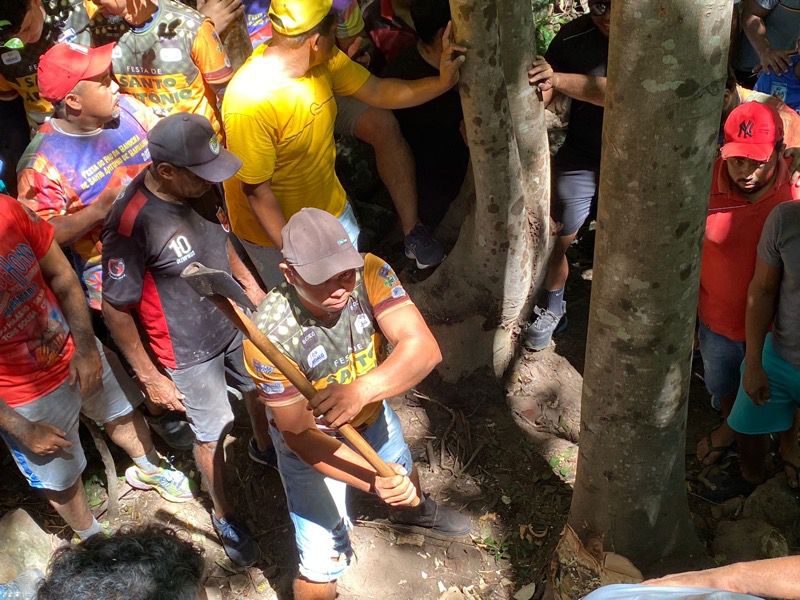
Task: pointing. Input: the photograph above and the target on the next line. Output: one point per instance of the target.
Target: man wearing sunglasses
(574, 66)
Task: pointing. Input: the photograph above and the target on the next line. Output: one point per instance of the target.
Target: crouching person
(331, 317)
(52, 369)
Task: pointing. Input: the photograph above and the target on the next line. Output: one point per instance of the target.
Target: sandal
(725, 485)
(707, 452)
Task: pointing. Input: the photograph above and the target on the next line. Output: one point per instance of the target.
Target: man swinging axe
(331, 317)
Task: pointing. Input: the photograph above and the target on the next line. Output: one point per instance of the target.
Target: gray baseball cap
(316, 245)
(189, 141)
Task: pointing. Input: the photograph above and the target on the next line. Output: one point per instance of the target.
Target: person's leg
(317, 507)
(379, 128)
(265, 259)
(722, 359)
(574, 191)
(57, 475)
(210, 416)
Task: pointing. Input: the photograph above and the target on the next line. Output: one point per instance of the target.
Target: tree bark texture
(491, 271)
(666, 70)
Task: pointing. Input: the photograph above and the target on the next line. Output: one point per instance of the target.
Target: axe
(223, 291)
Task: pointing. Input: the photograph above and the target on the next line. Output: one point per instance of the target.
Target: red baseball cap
(64, 65)
(751, 131)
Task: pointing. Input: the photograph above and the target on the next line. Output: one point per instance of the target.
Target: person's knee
(377, 127)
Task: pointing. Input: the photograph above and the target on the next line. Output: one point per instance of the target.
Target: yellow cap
(293, 17)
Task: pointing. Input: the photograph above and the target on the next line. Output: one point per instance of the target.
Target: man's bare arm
(267, 209)
(762, 295)
(160, 389)
(775, 60)
(773, 578)
(587, 88)
(243, 275)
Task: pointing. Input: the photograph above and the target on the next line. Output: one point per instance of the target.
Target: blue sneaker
(24, 587)
(237, 542)
(421, 246)
(541, 330)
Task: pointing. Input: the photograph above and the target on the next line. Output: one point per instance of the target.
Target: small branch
(111, 470)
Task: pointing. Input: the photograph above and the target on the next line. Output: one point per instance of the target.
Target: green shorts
(784, 397)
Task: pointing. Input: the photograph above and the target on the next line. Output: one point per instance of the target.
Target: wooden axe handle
(293, 374)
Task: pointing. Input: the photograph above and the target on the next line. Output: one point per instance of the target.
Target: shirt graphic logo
(316, 356)
(116, 268)
(182, 248)
(271, 388)
(746, 129)
(779, 90)
(11, 58)
(362, 322)
(261, 368)
(171, 54)
(398, 292)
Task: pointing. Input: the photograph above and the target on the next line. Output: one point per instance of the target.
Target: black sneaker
(432, 520)
(172, 429)
(237, 542)
(420, 245)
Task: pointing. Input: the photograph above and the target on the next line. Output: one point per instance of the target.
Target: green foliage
(548, 17)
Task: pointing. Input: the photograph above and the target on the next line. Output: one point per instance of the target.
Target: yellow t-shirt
(282, 129)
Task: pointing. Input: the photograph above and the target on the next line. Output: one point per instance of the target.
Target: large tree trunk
(666, 78)
(483, 291)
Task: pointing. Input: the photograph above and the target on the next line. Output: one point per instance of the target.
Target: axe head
(213, 282)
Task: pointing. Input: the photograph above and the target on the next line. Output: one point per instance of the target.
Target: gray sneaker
(541, 330)
(420, 245)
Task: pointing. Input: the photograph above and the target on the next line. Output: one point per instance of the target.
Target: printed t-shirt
(259, 28)
(780, 247)
(282, 129)
(147, 242)
(171, 61)
(790, 118)
(782, 26)
(389, 32)
(733, 228)
(433, 131)
(785, 87)
(580, 47)
(65, 21)
(35, 344)
(337, 352)
(62, 173)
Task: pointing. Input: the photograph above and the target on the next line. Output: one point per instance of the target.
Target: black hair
(14, 12)
(429, 17)
(323, 28)
(142, 563)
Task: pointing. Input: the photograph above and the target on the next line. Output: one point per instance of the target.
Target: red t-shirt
(35, 344)
(733, 228)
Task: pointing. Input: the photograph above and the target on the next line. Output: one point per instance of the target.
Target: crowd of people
(132, 148)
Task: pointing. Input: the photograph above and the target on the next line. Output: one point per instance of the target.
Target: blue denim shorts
(722, 358)
(317, 503)
(784, 397)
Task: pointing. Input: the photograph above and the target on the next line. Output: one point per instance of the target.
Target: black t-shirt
(147, 242)
(579, 47)
(434, 135)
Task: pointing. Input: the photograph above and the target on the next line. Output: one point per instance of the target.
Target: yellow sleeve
(384, 290)
(255, 142)
(272, 386)
(347, 76)
(209, 55)
(351, 21)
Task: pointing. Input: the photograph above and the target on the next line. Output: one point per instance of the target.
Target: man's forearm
(332, 458)
(756, 32)
(243, 275)
(400, 93)
(125, 333)
(267, 209)
(587, 88)
(70, 228)
(409, 363)
(758, 318)
(72, 300)
(11, 421)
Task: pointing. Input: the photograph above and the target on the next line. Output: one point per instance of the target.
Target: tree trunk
(666, 78)
(483, 291)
